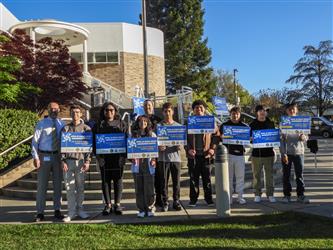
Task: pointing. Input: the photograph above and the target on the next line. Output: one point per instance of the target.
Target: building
(111, 54)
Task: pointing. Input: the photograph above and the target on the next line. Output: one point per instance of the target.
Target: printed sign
(114, 143)
(237, 135)
(171, 135)
(76, 142)
(266, 138)
(201, 124)
(220, 104)
(145, 147)
(295, 124)
(138, 105)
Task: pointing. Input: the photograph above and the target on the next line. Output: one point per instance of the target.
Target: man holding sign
(236, 160)
(292, 152)
(202, 138)
(75, 162)
(168, 158)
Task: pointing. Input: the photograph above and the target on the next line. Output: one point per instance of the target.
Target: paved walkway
(319, 189)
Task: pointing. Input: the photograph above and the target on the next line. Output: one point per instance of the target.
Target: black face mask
(53, 114)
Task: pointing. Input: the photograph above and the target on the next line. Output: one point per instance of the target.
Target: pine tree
(186, 53)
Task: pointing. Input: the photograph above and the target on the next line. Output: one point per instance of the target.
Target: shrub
(15, 126)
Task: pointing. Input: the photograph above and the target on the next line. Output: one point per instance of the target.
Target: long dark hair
(148, 129)
(105, 105)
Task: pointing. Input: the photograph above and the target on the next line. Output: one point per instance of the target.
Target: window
(100, 57)
(90, 57)
(112, 57)
(316, 122)
(77, 57)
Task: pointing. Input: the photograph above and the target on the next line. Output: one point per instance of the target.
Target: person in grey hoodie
(292, 152)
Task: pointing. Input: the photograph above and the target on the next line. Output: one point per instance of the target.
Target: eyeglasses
(108, 110)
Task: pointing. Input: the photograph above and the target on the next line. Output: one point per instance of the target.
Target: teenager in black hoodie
(262, 157)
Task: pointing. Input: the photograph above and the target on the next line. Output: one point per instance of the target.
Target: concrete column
(85, 57)
(33, 35)
(222, 181)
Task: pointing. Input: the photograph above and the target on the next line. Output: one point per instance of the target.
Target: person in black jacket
(111, 165)
(262, 157)
(236, 160)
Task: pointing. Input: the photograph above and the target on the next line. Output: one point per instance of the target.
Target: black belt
(49, 152)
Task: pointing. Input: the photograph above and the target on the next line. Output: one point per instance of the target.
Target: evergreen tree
(186, 53)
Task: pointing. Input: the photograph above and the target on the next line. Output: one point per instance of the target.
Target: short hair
(74, 106)
(290, 104)
(49, 105)
(167, 105)
(148, 100)
(199, 102)
(235, 109)
(260, 107)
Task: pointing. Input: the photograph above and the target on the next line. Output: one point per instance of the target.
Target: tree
(313, 74)
(11, 90)
(48, 66)
(186, 53)
(225, 88)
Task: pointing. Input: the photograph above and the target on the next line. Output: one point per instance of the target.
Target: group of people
(151, 175)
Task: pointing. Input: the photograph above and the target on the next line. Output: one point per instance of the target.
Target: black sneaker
(165, 208)
(39, 218)
(210, 203)
(58, 215)
(107, 210)
(118, 210)
(192, 204)
(176, 206)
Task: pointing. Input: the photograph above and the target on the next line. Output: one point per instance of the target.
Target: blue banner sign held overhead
(295, 124)
(111, 143)
(220, 104)
(237, 135)
(76, 142)
(171, 135)
(201, 124)
(144, 147)
(266, 138)
(138, 105)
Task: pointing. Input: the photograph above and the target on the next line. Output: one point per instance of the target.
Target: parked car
(321, 126)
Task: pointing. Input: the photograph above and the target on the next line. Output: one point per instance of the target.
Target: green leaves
(15, 126)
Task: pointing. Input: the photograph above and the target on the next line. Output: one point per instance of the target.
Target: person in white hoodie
(292, 152)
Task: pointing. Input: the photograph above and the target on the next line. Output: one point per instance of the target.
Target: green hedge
(15, 126)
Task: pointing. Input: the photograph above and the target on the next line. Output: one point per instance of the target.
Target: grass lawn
(278, 231)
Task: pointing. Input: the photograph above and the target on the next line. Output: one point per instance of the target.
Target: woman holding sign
(144, 170)
(111, 161)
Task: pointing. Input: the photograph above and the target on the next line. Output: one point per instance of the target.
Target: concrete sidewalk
(319, 189)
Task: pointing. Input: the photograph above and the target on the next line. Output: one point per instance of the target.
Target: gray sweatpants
(74, 182)
(144, 188)
(48, 162)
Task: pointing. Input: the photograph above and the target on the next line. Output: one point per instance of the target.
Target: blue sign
(201, 124)
(144, 147)
(171, 135)
(114, 143)
(76, 142)
(237, 135)
(266, 138)
(295, 124)
(220, 104)
(138, 105)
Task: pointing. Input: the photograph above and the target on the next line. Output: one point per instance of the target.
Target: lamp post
(145, 57)
(235, 87)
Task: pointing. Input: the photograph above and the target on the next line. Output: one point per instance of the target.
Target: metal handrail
(16, 145)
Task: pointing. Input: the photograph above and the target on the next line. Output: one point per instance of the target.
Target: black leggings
(112, 171)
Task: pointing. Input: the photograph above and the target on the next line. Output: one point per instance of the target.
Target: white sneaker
(257, 199)
(140, 214)
(272, 199)
(67, 219)
(241, 201)
(151, 214)
(83, 214)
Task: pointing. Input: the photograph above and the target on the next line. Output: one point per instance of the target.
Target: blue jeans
(298, 161)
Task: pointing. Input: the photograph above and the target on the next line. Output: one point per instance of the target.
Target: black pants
(200, 166)
(298, 162)
(163, 171)
(112, 170)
